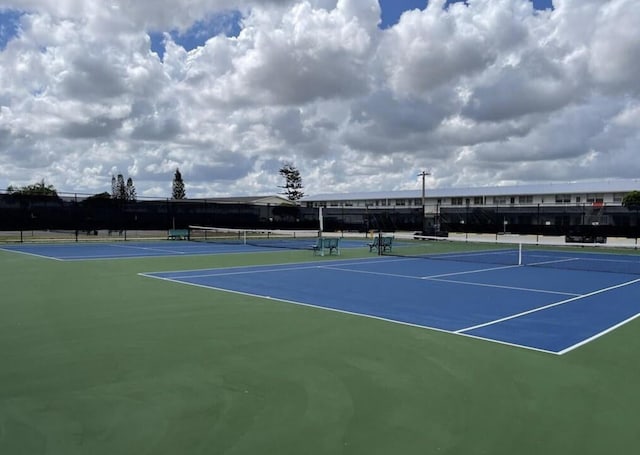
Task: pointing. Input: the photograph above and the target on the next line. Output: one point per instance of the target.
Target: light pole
(423, 174)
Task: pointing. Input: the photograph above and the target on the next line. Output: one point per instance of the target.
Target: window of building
(456, 201)
(563, 198)
(499, 200)
(528, 199)
(478, 200)
(596, 197)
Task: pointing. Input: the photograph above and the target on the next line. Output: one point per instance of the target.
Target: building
(601, 192)
(551, 208)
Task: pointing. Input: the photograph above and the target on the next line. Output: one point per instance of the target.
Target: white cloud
(436, 47)
(615, 49)
(483, 92)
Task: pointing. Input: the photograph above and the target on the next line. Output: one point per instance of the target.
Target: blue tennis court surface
(543, 309)
(142, 249)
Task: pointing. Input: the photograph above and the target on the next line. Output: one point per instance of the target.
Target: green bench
(330, 244)
(381, 244)
(178, 234)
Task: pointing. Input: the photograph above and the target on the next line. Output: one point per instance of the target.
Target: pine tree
(293, 182)
(130, 190)
(121, 190)
(114, 187)
(178, 191)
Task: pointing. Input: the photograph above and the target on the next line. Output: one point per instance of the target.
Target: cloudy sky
(358, 94)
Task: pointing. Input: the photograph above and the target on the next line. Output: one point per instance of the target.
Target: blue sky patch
(227, 23)
(9, 26)
(393, 9)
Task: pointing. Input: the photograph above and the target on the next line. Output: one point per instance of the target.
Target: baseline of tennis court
(548, 310)
(143, 249)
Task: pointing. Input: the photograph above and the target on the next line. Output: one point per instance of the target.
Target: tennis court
(195, 347)
(145, 249)
(544, 309)
(546, 299)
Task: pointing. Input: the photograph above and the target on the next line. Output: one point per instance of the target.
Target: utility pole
(423, 174)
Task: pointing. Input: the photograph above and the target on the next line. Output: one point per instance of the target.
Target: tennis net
(588, 257)
(268, 238)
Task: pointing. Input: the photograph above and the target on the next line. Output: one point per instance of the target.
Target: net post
(520, 253)
(379, 243)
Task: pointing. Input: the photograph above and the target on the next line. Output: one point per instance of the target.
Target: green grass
(96, 359)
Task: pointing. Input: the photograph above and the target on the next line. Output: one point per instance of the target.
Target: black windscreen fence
(543, 219)
(23, 212)
(19, 212)
(70, 212)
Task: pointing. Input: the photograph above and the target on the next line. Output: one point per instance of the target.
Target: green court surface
(96, 359)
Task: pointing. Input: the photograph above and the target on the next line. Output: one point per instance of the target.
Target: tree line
(125, 190)
(122, 189)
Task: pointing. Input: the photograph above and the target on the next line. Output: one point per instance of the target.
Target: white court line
(498, 286)
(555, 261)
(467, 283)
(145, 248)
(428, 277)
(239, 272)
(545, 307)
(425, 277)
(598, 335)
(262, 269)
(238, 269)
(305, 263)
(368, 272)
(146, 256)
(41, 256)
(471, 254)
(591, 256)
(93, 257)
